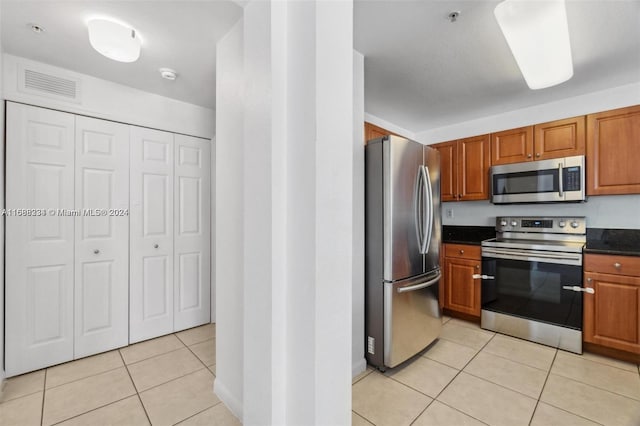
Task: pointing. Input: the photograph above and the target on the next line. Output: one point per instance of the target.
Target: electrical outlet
(449, 213)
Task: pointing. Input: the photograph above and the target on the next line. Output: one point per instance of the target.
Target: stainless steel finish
(562, 258)
(560, 191)
(552, 335)
(401, 162)
(429, 209)
(558, 226)
(540, 197)
(420, 286)
(578, 288)
(534, 244)
(419, 208)
(482, 277)
(411, 318)
(96, 251)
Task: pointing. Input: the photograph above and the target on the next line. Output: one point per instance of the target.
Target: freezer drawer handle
(578, 288)
(421, 285)
(482, 276)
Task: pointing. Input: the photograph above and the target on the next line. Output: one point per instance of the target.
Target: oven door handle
(525, 255)
(579, 289)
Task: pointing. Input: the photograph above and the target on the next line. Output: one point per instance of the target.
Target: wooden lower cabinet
(461, 290)
(612, 312)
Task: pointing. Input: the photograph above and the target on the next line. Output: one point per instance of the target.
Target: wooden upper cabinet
(561, 138)
(613, 152)
(473, 171)
(512, 146)
(448, 170)
(464, 168)
(371, 131)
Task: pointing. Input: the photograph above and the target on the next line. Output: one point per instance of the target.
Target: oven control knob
(514, 223)
(503, 223)
(574, 224)
(561, 224)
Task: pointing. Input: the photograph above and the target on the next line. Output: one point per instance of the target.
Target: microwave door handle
(560, 186)
(429, 208)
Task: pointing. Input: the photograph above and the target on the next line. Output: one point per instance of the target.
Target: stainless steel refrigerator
(402, 249)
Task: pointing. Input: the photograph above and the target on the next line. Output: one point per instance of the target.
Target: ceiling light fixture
(168, 73)
(538, 35)
(36, 28)
(114, 40)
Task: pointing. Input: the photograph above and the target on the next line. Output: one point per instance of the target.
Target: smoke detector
(168, 73)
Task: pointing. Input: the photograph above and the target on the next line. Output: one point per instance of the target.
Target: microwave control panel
(571, 178)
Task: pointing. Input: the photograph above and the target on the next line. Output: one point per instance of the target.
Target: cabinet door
(612, 313)
(512, 146)
(612, 152)
(101, 240)
(371, 131)
(192, 276)
(151, 238)
(39, 258)
(448, 170)
(462, 291)
(474, 159)
(561, 138)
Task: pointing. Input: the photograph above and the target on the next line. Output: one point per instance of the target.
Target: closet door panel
(192, 232)
(39, 256)
(102, 234)
(151, 238)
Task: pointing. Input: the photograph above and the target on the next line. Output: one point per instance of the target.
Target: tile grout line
(198, 358)
(135, 388)
(44, 394)
(597, 387)
(543, 386)
(85, 377)
(93, 409)
(199, 412)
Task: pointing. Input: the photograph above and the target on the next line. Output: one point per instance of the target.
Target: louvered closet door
(192, 232)
(151, 236)
(39, 249)
(102, 241)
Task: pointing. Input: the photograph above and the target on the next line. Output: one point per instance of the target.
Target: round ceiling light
(168, 73)
(114, 40)
(36, 28)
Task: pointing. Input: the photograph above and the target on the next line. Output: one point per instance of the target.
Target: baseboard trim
(227, 398)
(358, 367)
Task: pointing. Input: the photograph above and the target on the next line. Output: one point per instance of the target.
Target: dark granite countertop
(467, 234)
(624, 242)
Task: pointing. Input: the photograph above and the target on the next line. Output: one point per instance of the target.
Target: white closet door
(192, 232)
(39, 249)
(151, 238)
(102, 241)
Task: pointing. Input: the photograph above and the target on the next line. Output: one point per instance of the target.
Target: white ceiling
(421, 71)
(181, 35)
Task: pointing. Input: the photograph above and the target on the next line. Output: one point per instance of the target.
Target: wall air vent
(49, 85)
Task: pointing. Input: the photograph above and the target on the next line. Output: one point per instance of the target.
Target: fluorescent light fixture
(114, 40)
(538, 35)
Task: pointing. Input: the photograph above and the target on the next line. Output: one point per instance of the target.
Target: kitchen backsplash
(613, 211)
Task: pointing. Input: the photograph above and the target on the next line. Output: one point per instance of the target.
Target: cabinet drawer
(608, 264)
(462, 251)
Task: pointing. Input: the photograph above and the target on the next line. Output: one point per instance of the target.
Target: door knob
(155, 246)
(96, 251)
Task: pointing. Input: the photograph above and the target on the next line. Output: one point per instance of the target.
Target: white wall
(2, 219)
(229, 214)
(359, 364)
(112, 101)
(620, 211)
(284, 213)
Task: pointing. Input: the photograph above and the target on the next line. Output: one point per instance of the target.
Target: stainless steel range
(532, 280)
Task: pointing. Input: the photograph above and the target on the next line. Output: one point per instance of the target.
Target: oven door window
(526, 182)
(533, 290)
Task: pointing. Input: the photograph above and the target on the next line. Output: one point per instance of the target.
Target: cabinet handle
(96, 251)
(477, 266)
(528, 155)
(589, 280)
(537, 154)
(155, 246)
(617, 265)
(461, 251)
(459, 196)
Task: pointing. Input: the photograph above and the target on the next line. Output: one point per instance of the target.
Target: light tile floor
(472, 376)
(468, 377)
(164, 381)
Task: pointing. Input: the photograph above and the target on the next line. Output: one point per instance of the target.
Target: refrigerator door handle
(428, 205)
(421, 285)
(419, 211)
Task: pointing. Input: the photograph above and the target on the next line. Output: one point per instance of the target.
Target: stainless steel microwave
(545, 181)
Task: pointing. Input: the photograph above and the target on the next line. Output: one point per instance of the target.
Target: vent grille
(50, 84)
